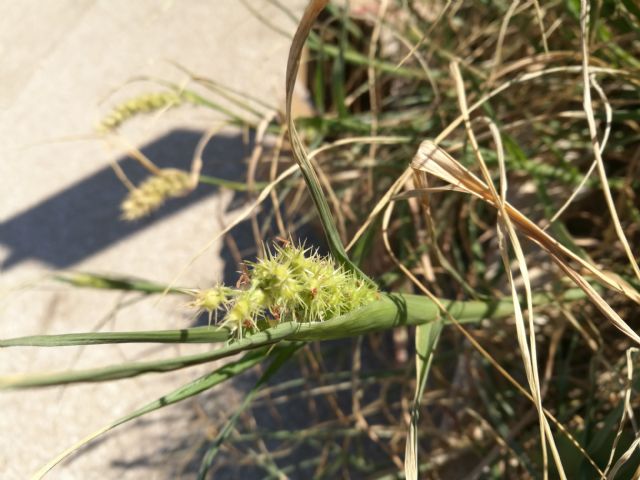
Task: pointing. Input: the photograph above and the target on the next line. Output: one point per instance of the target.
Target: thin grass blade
(426, 341)
(313, 183)
(113, 282)
(392, 310)
(281, 357)
(185, 335)
(191, 389)
(133, 369)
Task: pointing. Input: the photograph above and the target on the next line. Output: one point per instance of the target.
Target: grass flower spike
(147, 103)
(153, 192)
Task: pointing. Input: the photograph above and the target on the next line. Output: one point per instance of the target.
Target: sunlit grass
(448, 158)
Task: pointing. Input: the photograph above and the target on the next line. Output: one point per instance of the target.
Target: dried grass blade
(588, 109)
(605, 137)
(505, 228)
(432, 159)
(431, 306)
(397, 185)
(626, 408)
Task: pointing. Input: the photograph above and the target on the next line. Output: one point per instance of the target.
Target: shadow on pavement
(81, 220)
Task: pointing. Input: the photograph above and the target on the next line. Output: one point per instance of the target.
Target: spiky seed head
(211, 299)
(247, 308)
(293, 283)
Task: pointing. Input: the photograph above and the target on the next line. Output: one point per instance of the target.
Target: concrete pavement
(59, 210)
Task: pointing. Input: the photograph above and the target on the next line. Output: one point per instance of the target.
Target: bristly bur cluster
(154, 191)
(291, 283)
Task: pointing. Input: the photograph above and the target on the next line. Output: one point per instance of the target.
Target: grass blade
(426, 341)
(195, 387)
(392, 310)
(282, 356)
(112, 282)
(185, 335)
(310, 176)
(133, 369)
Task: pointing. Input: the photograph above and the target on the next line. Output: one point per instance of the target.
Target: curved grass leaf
(195, 387)
(311, 179)
(282, 356)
